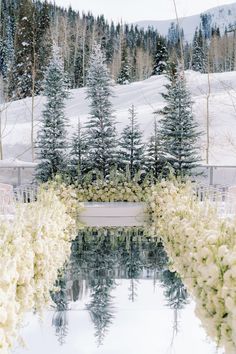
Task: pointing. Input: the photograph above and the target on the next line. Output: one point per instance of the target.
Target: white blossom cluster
(202, 248)
(109, 191)
(32, 248)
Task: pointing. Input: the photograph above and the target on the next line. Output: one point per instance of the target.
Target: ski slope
(220, 16)
(146, 96)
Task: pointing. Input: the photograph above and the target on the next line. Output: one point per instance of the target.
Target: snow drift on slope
(146, 96)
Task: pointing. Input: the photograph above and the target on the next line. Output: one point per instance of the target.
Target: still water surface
(117, 296)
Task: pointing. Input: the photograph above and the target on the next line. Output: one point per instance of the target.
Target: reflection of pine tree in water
(100, 307)
(59, 320)
(102, 261)
(176, 296)
(175, 291)
(79, 266)
(157, 259)
(131, 260)
(139, 253)
(156, 256)
(98, 257)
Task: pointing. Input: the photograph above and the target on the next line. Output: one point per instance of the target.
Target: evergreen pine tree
(78, 69)
(131, 153)
(21, 80)
(124, 76)
(101, 130)
(35, 23)
(187, 56)
(155, 160)
(174, 34)
(206, 24)
(51, 140)
(199, 57)
(178, 128)
(43, 44)
(110, 47)
(78, 154)
(161, 57)
(6, 46)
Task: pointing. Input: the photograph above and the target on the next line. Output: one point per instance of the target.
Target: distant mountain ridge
(222, 16)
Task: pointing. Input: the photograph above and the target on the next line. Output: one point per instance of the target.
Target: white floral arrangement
(109, 191)
(33, 247)
(202, 249)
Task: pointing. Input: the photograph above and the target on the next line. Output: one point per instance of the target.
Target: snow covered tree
(187, 56)
(175, 34)
(78, 154)
(155, 160)
(131, 152)
(21, 81)
(52, 142)
(7, 46)
(199, 61)
(175, 40)
(33, 25)
(178, 128)
(78, 69)
(124, 76)
(101, 129)
(206, 24)
(161, 57)
(42, 44)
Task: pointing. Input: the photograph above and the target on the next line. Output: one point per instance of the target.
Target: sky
(137, 10)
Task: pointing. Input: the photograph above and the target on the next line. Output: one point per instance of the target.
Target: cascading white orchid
(202, 248)
(32, 248)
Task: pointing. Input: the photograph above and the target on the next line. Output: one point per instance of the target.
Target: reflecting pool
(117, 296)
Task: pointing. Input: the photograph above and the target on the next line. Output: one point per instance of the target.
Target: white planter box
(113, 214)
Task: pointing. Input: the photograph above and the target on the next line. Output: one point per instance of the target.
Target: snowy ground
(146, 96)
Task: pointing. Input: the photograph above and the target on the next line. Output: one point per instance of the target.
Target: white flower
(203, 250)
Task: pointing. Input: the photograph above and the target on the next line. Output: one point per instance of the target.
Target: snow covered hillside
(146, 96)
(221, 16)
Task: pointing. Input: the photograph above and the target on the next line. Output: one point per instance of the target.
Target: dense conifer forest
(29, 28)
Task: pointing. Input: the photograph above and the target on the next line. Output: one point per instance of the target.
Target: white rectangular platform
(115, 214)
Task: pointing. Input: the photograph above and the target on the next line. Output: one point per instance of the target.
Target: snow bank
(146, 96)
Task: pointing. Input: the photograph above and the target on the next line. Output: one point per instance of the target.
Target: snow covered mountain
(221, 16)
(146, 96)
